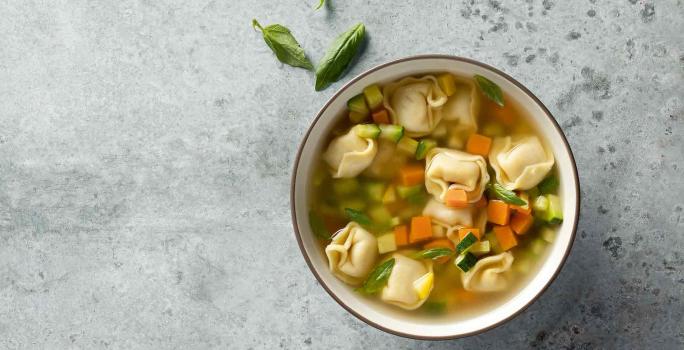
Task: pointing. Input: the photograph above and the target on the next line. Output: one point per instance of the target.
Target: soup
(434, 195)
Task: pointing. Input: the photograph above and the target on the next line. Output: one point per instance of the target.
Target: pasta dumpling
(400, 289)
(415, 103)
(459, 113)
(352, 253)
(453, 219)
(446, 168)
(348, 155)
(489, 274)
(520, 161)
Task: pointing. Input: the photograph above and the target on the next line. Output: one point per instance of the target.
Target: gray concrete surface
(146, 149)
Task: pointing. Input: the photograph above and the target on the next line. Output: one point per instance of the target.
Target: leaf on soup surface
(490, 89)
(433, 253)
(357, 216)
(339, 56)
(284, 45)
(504, 194)
(317, 226)
(377, 279)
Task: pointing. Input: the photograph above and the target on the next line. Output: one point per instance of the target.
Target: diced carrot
(411, 174)
(456, 198)
(465, 296)
(505, 236)
(482, 203)
(421, 229)
(462, 232)
(526, 209)
(440, 243)
(478, 144)
(381, 117)
(521, 223)
(401, 235)
(498, 212)
(505, 115)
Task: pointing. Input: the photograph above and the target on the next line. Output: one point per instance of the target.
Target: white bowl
(403, 323)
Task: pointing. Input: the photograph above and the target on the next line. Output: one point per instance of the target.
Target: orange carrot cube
(462, 232)
(498, 212)
(521, 223)
(411, 174)
(421, 229)
(401, 235)
(381, 117)
(505, 236)
(456, 198)
(478, 144)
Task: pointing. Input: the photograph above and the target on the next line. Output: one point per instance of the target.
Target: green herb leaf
(505, 195)
(490, 89)
(548, 185)
(377, 278)
(357, 216)
(320, 4)
(433, 253)
(284, 45)
(338, 56)
(317, 226)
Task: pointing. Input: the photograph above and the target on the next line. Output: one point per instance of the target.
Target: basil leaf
(433, 253)
(377, 278)
(317, 226)
(320, 4)
(284, 45)
(490, 89)
(359, 217)
(338, 56)
(505, 195)
(548, 185)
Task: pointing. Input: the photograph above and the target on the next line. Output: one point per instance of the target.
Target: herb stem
(256, 25)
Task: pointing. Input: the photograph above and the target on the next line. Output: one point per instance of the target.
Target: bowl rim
(519, 85)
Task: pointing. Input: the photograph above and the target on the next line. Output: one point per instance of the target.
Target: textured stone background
(146, 148)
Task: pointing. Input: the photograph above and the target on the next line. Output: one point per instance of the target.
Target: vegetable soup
(434, 195)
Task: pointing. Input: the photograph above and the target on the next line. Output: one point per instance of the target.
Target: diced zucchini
(493, 243)
(417, 199)
(358, 104)
(533, 193)
(380, 214)
(345, 186)
(465, 261)
(373, 96)
(537, 246)
(356, 117)
(466, 242)
(549, 185)
(447, 83)
(367, 131)
(407, 145)
(386, 243)
(396, 221)
(493, 129)
(547, 234)
(407, 191)
(352, 203)
(390, 195)
(374, 190)
(424, 146)
(554, 214)
(391, 132)
(540, 204)
(480, 248)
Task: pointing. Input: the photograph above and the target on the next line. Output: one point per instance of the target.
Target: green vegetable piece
(424, 146)
(418, 198)
(386, 243)
(377, 279)
(284, 45)
(373, 96)
(490, 89)
(396, 221)
(407, 191)
(466, 261)
(357, 216)
(320, 4)
(533, 192)
(374, 190)
(391, 132)
(434, 307)
(480, 248)
(339, 56)
(408, 145)
(493, 129)
(358, 104)
(548, 185)
(541, 204)
(554, 214)
(345, 186)
(433, 253)
(317, 226)
(368, 131)
(380, 214)
(493, 243)
(547, 234)
(353, 203)
(466, 243)
(505, 195)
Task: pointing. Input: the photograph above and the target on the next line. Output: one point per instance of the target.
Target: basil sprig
(320, 4)
(284, 45)
(355, 215)
(490, 89)
(505, 195)
(339, 56)
(433, 253)
(377, 278)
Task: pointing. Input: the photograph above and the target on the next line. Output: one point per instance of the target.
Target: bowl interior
(388, 318)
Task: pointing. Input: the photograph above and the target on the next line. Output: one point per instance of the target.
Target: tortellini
(352, 253)
(446, 168)
(348, 155)
(400, 289)
(459, 113)
(414, 103)
(520, 161)
(387, 161)
(453, 219)
(489, 274)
